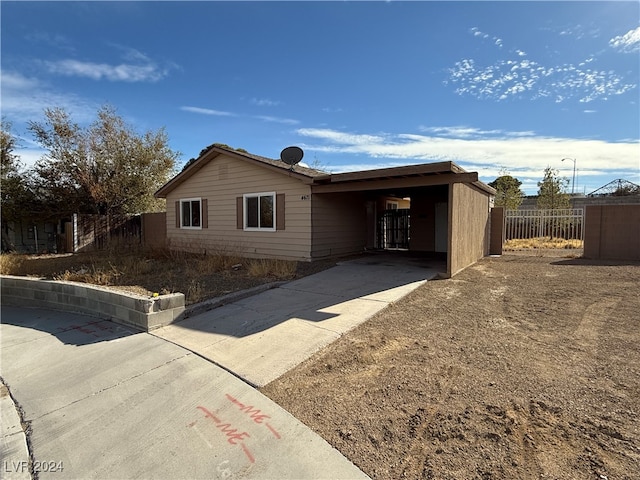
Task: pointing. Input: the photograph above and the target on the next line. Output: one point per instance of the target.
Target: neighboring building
(33, 236)
(233, 202)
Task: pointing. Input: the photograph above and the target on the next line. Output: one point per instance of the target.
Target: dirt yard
(520, 367)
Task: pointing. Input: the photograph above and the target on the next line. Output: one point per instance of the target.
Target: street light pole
(573, 182)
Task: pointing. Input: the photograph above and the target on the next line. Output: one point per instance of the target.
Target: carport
(436, 208)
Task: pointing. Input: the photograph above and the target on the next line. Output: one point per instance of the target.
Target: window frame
(190, 201)
(245, 211)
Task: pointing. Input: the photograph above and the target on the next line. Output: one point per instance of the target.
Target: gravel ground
(520, 367)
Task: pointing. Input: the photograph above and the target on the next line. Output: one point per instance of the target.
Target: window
(190, 213)
(259, 211)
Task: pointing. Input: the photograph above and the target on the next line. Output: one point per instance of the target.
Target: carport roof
(426, 174)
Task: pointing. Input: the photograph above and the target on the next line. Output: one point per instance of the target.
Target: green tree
(14, 181)
(106, 168)
(627, 189)
(17, 200)
(552, 191)
(508, 192)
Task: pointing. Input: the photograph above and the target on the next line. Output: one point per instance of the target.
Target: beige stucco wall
(402, 203)
(221, 181)
(468, 227)
(339, 221)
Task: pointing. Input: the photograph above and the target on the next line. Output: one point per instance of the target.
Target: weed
(11, 264)
(194, 292)
(280, 269)
(541, 243)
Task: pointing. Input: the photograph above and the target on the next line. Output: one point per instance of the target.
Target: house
(230, 201)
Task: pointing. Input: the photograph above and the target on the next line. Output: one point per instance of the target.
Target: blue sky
(492, 86)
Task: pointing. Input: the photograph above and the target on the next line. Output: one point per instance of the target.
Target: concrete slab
(259, 338)
(113, 403)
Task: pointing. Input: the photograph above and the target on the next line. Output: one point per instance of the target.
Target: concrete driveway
(99, 400)
(263, 336)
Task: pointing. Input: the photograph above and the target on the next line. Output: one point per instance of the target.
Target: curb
(198, 308)
(16, 457)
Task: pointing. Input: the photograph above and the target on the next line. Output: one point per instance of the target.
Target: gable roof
(431, 173)
(304, 174)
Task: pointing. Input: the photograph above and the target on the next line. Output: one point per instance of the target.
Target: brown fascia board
(441, 172)
(408, 170)
(395, 182)
(212, 153)
(485, 188)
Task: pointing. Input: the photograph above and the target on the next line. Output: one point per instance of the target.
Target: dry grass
(145, 272)
(271, 267)
(10, 264)
(542, 243)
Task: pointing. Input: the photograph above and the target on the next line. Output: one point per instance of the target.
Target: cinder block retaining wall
(140, 312)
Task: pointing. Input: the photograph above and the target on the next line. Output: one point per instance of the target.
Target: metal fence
(567, 224)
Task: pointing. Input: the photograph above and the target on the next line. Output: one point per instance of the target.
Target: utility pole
(573, 182)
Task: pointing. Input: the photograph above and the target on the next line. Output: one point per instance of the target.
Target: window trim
(185, 200)
(245, 211)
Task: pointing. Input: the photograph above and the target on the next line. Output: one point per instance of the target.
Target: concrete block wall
(143, 313)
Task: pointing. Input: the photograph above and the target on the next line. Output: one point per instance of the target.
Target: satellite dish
(291, 155)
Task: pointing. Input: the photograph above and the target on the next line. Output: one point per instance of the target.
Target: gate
(393, 229)
(561, 224)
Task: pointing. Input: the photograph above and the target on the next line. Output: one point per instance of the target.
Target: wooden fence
(99, 232)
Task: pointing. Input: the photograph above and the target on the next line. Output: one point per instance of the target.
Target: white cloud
(51, 40)
(627, 43)
(265, 102)
(524, 154)
(524, 78)
(25, 98)
(286, 121)
(137, 67)
(219, 113)
(29, 157)
(147, 72)
(477, 33)
(207, 111)
(470, 132)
